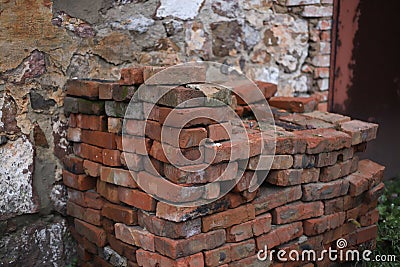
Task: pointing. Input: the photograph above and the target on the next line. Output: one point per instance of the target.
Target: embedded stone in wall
(181, 9)
(16, 166)
(226, 37)
(287, 40)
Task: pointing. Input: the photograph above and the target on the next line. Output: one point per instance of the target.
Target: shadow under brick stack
(316, 188)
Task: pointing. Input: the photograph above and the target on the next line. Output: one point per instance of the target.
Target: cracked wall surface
(43, 43)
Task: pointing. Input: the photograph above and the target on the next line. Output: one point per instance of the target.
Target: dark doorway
(366, 80)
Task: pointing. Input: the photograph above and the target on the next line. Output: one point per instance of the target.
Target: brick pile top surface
(316, 184)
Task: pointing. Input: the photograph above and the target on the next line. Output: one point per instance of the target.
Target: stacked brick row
(316, 192)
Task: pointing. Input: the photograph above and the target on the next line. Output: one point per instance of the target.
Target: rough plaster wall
(43, 43)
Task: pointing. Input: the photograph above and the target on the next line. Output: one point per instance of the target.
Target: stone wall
(43, 43)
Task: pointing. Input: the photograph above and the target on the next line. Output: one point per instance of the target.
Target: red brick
(375, 192)
(228, 218)
(78, 181)
(122, 248)
(100, 139)
(319, 225)
(268, 89)
(150, 259)
(136, 198)
(118, 177)
(132, 161)
(111, 157)
(272, 197)
(108, 191)
(303, 161)
(94, 234)
(338, 170)
(73, 164)
(358, 184)
(280, 235)
(153, 166)
(89, 152)
(287, 143)
(324, 140)
(252, 261)
(166, 190)
(89, 246)
(317, 191)
(135, 127)
(100, 262)
(219, 132)
(297, 211)
(89, 199)
(372, 170)
(260, 225)
(135, 235)
(176, 248)
(132, 76)
(91, 168)
(83, 254)
(119, 213)
(305, 122)
(72, 120)
(359, 131)
(179, 214)
(294, 104)
(161, 227)
(330, 158)
(229, 252)
(328, 117)
(89, 89)
(91, 122)
(198, 174)
(170, 154)
(85, 214)
(133, 144)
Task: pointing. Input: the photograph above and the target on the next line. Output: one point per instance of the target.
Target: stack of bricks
(316, 192)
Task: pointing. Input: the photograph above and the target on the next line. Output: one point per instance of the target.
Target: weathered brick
(118, 177)
(294, 104)
(132, 161)
(219, 132)
(132, 76)
(91, 122)
(150, 259)
(91, 168)
(119, 213)
(324, 140)
(260, 225)
(359, 131)
(229, 252)
(100, 139)
(375, 192)
(286, 143)
(94, 234)
(123, 93)
(279, 162)
(297, 211)
(280, 235)
(373, 171)
(161, 227)
(272, 197)
(91, 216)
(328, 117)
(306, 122)
(135, 235)
(358, 184)
(111, 157)
(180, 214)
(338, 170)
(316, 191)
(80, 182)
(89, 152)
(73, 164)
(176, 248)
(330, 158)
(303, 161)
(82, 88)
(90, 107)
(319, 225)
(136, 198)
(228, 218)
(108, 191)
